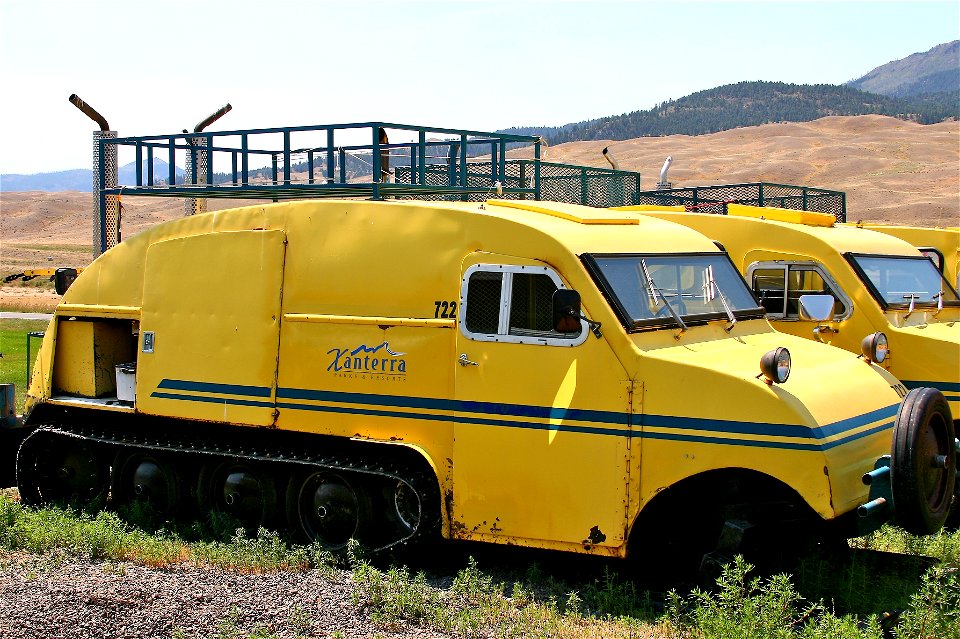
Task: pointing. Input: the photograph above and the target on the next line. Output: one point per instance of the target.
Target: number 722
(445, 310)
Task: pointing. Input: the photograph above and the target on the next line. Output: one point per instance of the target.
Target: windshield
(645, 288)
(898, 280)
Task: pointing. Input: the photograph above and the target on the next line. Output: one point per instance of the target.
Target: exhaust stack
(106, 209)
(89, 111)
(663, 184)
(198, 161)
(609, 158)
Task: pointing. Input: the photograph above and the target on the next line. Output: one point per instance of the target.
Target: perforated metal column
(106, 222)
(198, 156)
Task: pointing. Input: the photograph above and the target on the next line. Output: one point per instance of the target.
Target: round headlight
(775, 365)
(874, 347)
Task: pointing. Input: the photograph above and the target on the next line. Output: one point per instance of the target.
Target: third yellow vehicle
(879, 284)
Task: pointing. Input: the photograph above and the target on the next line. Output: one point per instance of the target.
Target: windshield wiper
(710, 293)
(656, 294)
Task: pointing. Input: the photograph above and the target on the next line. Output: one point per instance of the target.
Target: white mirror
(816, 307)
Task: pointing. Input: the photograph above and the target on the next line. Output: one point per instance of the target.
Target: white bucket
(127, 382)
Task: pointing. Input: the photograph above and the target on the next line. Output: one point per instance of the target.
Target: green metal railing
(353, 160)
(714, 199)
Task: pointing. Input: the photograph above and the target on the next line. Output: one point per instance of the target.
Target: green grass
(13, 348)
(478, 602)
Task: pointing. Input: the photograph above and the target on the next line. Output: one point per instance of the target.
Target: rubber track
(379, 466)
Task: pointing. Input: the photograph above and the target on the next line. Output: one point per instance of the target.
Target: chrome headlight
(874, 347)
(775, 365)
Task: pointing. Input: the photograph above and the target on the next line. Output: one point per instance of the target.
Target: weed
(935, 609)
(742, 608)
(300, 621)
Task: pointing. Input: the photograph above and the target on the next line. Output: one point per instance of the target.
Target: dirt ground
(891, 171)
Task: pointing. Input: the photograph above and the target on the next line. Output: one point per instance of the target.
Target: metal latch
(463, 361)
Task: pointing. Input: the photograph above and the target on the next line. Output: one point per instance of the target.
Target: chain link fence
(558, 183)
(714, 199)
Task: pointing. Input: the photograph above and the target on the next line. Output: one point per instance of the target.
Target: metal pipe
(89, 111)
(663, 184)
(875, 475)
(871, 507)
(384, 142)
(609, 157)
(213, 117)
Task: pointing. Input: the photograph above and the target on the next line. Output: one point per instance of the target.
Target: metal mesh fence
(558, 183)
(106, 223)
(714, 199)
(196, 163)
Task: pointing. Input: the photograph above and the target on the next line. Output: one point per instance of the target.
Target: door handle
(463, 361)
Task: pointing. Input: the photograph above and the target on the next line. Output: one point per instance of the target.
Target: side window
(807, 280)
(779, 287)
(512, 304)
(531, 306)
(770, 288)
(934, 256)
(483, 302)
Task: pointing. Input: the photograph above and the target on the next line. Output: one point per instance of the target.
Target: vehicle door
(542, 434)
(209, 333)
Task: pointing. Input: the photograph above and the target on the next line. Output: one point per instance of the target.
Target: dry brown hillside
(891, 170)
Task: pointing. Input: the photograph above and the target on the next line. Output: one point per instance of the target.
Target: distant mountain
(78, 179)
(73, 180)
(933, 71)
(746, 104)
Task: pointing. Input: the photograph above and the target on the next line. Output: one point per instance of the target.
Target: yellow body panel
(924, 345)
(342, 318)
(810, 218)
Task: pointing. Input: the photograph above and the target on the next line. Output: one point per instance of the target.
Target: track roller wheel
(147, 479)
(242, 490)
(326, 508)
(405, 506)
(61, 471)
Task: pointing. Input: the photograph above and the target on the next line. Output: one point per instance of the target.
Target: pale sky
(158, 67)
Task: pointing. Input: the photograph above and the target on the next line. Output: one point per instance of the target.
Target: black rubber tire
(168, 500)
(354, 499)
(61, 471)
(922, 492)
(211, 498)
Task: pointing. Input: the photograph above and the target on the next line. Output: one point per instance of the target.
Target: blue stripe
(944, 387)
(214, 400)
(224, 389)
(485, 411)
(462, 420)
(487, 408)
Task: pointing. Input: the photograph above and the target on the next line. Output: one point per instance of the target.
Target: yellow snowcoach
(512, 371)
(880, 292)
(532, 373)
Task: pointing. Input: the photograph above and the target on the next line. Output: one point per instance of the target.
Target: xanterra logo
(378, 362)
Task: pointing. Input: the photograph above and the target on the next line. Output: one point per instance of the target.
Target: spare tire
(923, 462)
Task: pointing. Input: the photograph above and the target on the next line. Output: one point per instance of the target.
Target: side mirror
(63, 278)
(566, 311)
(817, 308)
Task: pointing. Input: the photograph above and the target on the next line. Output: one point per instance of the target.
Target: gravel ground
(49, 597)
